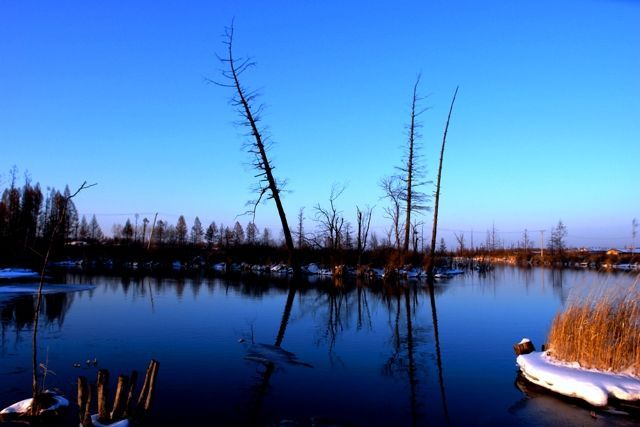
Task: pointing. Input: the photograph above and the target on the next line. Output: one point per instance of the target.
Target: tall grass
(600, 331)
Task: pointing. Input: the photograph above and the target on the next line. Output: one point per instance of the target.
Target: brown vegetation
(600, 331)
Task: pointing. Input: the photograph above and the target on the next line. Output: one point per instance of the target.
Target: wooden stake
(152, 384)
(103, 394)
(120, 399)
(86, 420)
(523, 347)
(145, 386)
(82, 396)
(128, 409)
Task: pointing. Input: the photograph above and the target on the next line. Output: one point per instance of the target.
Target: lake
(249, 350)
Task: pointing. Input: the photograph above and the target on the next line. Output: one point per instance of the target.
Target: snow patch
(16, 273)
(524, 341)
(24, 405)
(121, 423)
(593, 386)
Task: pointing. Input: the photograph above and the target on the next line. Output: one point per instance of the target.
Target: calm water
(360, 355)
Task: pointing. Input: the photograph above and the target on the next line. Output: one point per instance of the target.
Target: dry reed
(600, 331)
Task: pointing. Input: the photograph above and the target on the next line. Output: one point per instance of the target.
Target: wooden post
(152, 385)
(82, 396)
(524, 347)
(103, 393)
(120, 399)
(86, 420)
(145, 387)
(128, 409)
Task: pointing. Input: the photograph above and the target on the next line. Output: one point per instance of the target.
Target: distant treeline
(28, 217)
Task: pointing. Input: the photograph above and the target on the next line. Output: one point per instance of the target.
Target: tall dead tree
(410, 172)
(434, 231)
(258, 145)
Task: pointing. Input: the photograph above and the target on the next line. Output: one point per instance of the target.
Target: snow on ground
(121, 423)
(571, 380)
(16, 273)
(24, 405)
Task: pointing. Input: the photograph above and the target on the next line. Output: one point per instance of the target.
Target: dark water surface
(256, 351)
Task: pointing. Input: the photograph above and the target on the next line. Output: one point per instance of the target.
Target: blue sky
(546, 125)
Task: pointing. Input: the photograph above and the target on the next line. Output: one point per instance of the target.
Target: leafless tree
(411, 170)
(258, 144)
(493, 240)
(330, 220)
(526, 242)
(437, 195)
(634, 232)
(392, 188)
(300, 233)
(363, 219)
(415, 236)
(460, 240)
(557, 243)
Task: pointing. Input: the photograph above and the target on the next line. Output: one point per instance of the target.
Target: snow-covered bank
(55, 403)
(571, 380)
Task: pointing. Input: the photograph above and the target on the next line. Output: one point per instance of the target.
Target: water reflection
(259, 390)
(382, 354)
(557, 410)
(434, 316)
(408, 356)
(17, 312)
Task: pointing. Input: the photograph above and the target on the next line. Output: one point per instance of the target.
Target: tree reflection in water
(259, 390)
(17, 313)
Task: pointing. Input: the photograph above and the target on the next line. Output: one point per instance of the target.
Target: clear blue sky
(546, 126)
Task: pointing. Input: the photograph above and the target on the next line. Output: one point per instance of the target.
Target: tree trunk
(409, 190)
(434, 231)
(264, 165)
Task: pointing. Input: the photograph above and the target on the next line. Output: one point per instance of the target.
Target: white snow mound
(25, 405)
(121, 423)
(592, 386)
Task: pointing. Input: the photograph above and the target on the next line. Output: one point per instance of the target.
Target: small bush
(600, 331)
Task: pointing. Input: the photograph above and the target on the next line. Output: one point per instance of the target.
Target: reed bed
(600, 330)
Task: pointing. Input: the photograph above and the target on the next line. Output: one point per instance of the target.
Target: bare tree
(526, 242)
(411, 170)
(300, 233)
(493, 240)
(415, 236)
(330, 219)
(392, 188)
(363, 219)
(437, 196)
(557, 244)
(460, 240)
(634, 232)
(250, 116)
